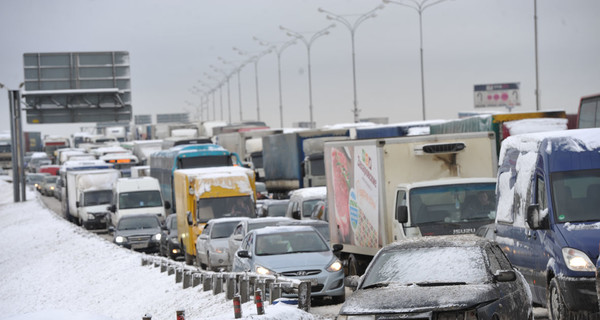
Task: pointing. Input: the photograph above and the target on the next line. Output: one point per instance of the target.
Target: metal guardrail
(244, 285)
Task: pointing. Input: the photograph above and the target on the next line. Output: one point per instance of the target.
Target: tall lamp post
(237, 70)
(220, 86)
(352, 27)
(278, 51)
(308, 43)
(211, 90)
(255, 59)
(227, 76)
(419, 7)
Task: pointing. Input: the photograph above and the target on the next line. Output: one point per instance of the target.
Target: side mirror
(112, 208)
(505, 276)
(190, 221)
(337, 247)
(402, 214)
(77, 204)
(533, 217)
(351, 282)
(296, 215)
(111, 229)
(243, 254)
(167, 205)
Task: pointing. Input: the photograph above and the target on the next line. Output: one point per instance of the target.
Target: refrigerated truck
(370, 182)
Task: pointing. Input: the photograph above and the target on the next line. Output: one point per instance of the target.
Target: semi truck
(283, 157)
(383, 190)
(206, 193)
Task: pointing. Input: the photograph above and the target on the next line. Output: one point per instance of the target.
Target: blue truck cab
(548, 216)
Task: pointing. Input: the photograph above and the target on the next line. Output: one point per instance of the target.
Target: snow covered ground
(52, 269)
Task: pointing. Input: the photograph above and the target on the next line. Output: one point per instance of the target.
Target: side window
(238, 230)
(206, 230)
(541, 193)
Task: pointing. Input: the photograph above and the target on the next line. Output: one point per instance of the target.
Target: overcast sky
(172, 44)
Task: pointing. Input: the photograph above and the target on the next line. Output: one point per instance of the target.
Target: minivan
(137, 196)
(547, 218)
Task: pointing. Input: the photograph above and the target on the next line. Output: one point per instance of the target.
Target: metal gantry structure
(308, 42)
(352, 26)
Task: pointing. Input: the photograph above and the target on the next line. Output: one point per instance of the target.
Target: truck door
(537, 238)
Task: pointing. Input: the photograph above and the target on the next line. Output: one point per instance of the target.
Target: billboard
(77, 87)
(497, 95)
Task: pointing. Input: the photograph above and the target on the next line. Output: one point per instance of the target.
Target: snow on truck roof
(223, 177)
(575, 140)
(448, 181)
(310, 192)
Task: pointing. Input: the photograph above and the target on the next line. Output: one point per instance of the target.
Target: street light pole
(227, 76)
(352, 28)
(211, 90)
(419, 7)
(220, 86)
(237, 70)
(278, 51)
(308, 43)
(255, 59)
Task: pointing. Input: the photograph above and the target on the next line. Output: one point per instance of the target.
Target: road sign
(77, 87)
(497, 95)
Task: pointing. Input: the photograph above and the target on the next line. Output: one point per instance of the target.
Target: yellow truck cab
(207, 193)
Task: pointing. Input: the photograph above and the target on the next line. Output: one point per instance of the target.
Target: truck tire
(557, 310)
(189, 259)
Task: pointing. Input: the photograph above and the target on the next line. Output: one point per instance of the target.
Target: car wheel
(557, 310)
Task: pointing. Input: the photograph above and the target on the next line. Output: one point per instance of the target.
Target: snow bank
(52, 269)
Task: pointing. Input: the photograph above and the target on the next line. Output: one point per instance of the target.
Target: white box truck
(93, 190)
(383, 190)
(137, 196)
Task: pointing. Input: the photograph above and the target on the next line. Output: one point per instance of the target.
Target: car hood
(295, 261)
(582, 236)
(155, 210)
(219, 243)
(401, 299)
(137, 232)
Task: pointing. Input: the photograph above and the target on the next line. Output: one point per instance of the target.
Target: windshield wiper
(438, 284)
(377, 285)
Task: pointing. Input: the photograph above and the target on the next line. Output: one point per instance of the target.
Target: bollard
(163, 266)
(244, 289)
(260, 309)
(178, 275)
(237, 307)
(144, 261)
(147, 316)
(217, 285)
(156, 262)
(274, 292)
(170, 269)
(180, 314)
(196, 279)
(304, 296)
(187, 279)
(206, 282)
(252, 282)
(230, 286)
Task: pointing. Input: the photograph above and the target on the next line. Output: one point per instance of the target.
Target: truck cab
(135, 196)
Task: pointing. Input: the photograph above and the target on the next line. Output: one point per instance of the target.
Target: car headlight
(358, 317)
(577, 260)
(156, 237)
(220, 250)
(335, 266)
(262, 270)
(91, 216)
(51, 188)
(120, 239)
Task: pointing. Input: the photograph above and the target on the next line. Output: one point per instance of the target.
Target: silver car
(245, 226)
(211, 244)
(298, 252)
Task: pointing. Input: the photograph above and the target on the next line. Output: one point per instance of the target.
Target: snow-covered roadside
(52, 269)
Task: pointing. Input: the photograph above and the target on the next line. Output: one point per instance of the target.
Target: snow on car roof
(310, 192)
(282, 229)
(227, 219)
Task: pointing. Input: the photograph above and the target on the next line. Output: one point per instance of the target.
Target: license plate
(138, 245)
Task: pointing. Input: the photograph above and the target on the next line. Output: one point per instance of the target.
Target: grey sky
(172, 43)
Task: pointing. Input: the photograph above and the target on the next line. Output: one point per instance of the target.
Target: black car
(442, 277)
(140, 232)
(169, 245)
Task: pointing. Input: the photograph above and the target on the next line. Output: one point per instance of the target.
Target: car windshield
(454, 265)
(576, 195)
(308, 205)
(139, 199)
(51, 179)
(149, 222)
(453, 203)
(97, 197)
(222, 229)
(289, 242)
(276, 210)
(211, 208)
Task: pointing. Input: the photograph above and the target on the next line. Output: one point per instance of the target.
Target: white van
(135, 196)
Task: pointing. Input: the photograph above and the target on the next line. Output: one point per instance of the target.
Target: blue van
(548, 216)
